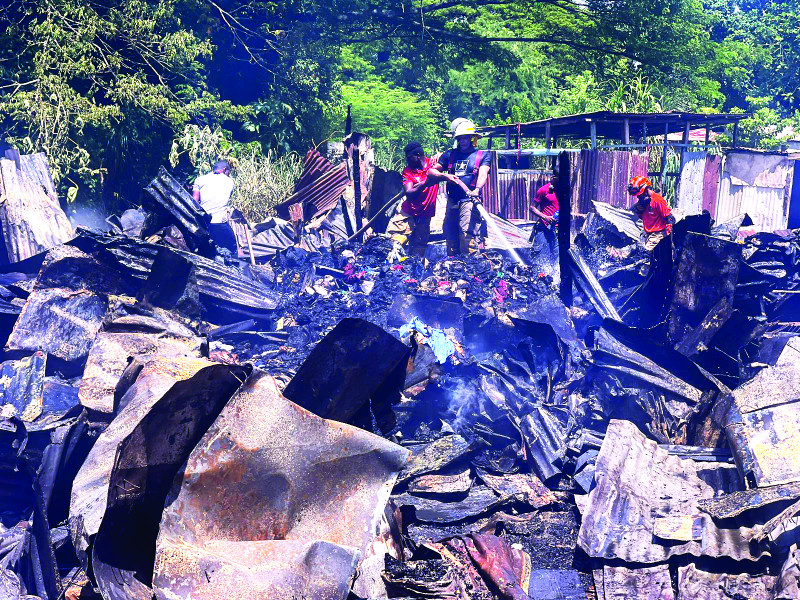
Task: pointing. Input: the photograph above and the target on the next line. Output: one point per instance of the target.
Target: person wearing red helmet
(652, 209)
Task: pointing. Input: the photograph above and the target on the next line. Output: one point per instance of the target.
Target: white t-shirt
(215, 195)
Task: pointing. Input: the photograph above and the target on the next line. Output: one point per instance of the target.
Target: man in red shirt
(545, 202)
(652, 209)
(412, 223)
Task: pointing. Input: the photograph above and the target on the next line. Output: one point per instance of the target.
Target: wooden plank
(593, 133)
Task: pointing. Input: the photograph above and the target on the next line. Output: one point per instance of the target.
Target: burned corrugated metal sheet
(758, 184)
(772, 385)
(622, 583)
(698, 584)
(147, 459)
(503, 234)
(357, 370)
(168, 197)
(515, 192)
(636, 483)
(149, 380)
(274, 502)
(706, 274)
(31, 218)
(763, 422)
(124, 338)
(22, 387)
(319, 187)
(622, 219)
(226, 294)
(732, 505)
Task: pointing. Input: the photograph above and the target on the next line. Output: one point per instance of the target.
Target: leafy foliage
(110, 89)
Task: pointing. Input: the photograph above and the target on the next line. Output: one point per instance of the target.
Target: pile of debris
(343, 421)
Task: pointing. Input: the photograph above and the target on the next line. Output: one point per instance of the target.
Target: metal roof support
(593, 129)
(664, 156)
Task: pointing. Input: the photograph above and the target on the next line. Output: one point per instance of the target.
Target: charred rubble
(333, 419)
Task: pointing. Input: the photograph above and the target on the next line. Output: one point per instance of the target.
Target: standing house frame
(615, 147)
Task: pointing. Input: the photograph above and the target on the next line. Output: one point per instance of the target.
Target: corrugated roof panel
(319, 187)
(637, 483)
(32, 219)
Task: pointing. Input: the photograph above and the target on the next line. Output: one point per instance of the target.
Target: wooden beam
(564, 193)
(508, 138)
(547, 135)
(626, 132)
(708, 132)
(489, 143)
(593, 130)
(736, 134)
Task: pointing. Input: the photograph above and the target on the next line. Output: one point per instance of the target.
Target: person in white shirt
(212, 192)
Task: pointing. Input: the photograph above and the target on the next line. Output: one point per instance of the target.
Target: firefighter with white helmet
(463, 226)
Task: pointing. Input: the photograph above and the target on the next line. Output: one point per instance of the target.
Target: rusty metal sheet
(638, 482)
(274, 502)
(478, 500)
(31, 218)
(153, 377)
(622, 583)
(711, 175)
(772, 385)
(319, 187)
(147, 460)
(120, 341)
(690, 184)
(732, 505)
(523, 487)
(697, 584)
(502, 234)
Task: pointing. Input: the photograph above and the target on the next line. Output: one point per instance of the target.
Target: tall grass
(263, 181)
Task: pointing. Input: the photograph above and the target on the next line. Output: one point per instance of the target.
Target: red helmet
(638, 185)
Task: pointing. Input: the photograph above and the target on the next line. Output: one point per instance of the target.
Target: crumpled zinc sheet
(437, 339)
(274, 502)
(642, 491)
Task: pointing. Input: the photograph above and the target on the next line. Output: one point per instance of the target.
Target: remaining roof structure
(609, 125)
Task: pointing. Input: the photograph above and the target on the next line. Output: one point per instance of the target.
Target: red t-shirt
(654, 217)
(546, 200)
(423, 203)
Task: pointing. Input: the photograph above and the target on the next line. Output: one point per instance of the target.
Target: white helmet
(456, 122)
(465, 127)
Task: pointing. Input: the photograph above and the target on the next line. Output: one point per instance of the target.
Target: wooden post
(708, 133)
(593, 133)
(348, 124)
(357, 185)
(563, 193)
(626, 132)
(508, 138)
(547, 135)
(644, 132)
(489, 143)
(736, 134)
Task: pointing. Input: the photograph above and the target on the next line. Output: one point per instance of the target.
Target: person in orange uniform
(652, 209)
